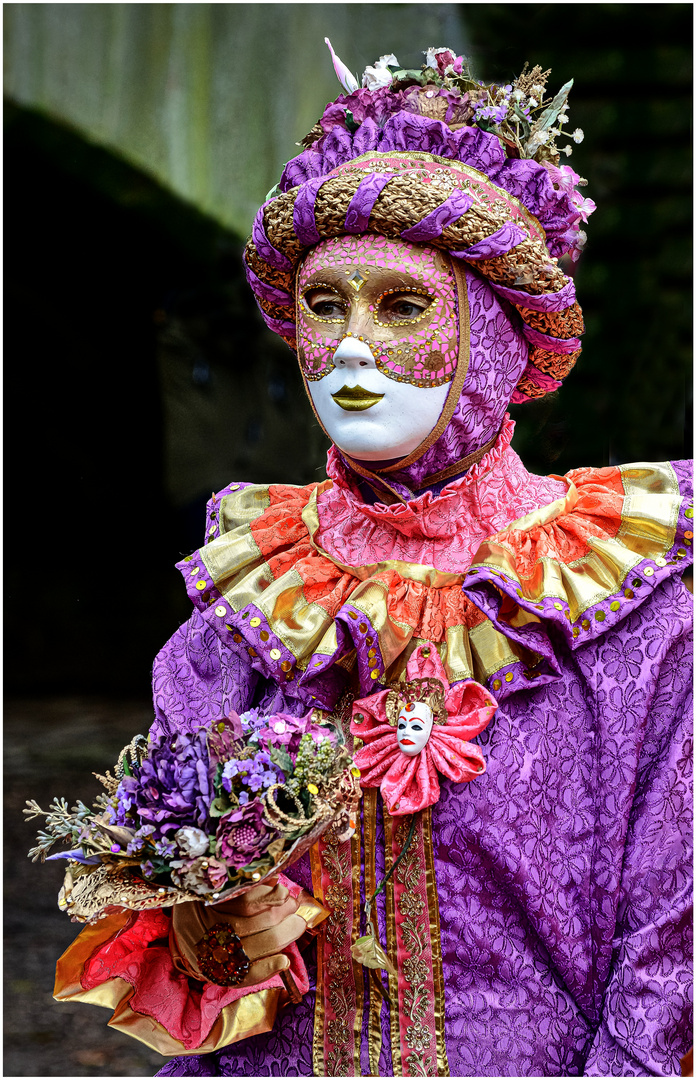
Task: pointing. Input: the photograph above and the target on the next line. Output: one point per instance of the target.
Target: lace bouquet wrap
(203, 815)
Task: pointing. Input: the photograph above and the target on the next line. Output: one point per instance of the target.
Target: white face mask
(413, 728)
(377, 333)
(399, 418)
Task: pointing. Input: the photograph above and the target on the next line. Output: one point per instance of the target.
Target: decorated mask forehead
(399, 298)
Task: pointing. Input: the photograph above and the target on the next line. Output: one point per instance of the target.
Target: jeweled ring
(221, 957)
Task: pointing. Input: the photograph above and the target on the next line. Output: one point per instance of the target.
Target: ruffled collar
(443, 531)
(312, 623)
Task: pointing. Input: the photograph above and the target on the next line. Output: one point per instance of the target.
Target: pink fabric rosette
(410, 783)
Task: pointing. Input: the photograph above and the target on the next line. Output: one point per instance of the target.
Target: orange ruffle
(268, 587)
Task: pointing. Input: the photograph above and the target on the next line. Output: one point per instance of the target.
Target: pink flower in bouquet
(243, 835)
(441, 59)
(199, 875)
(419, 728)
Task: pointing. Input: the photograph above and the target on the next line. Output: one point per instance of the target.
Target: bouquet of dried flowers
(202, 815)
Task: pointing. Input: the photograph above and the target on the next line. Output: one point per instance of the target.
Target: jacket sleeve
(197, 679)
(645, 1025)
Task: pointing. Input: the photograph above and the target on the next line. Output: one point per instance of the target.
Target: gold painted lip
(355, 398)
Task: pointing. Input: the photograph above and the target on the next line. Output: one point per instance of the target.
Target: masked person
(537, 919)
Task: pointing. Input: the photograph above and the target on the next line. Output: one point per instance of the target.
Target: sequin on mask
(362, 272)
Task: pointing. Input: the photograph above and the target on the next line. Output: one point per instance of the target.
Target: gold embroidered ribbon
(413, 944)
(339, 999)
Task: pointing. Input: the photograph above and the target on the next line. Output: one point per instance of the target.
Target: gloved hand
(264, 917)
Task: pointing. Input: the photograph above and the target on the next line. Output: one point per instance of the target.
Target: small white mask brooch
(417, 729)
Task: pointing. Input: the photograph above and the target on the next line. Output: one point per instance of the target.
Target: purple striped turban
(415, 179)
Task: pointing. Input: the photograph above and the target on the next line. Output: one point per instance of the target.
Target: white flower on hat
(578, 135)
(378, 74)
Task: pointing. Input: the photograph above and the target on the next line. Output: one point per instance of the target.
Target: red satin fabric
(186, 1008)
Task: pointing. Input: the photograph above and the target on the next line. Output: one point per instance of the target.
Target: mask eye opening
(330, 297)
(386, 313)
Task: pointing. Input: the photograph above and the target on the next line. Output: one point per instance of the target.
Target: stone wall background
(208, 99)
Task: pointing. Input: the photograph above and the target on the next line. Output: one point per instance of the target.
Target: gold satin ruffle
(250, 1015)
(647, 530)
(242, 575)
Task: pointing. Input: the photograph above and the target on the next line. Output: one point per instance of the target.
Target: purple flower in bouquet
(243, 835)
(172, 789)
(253, 773)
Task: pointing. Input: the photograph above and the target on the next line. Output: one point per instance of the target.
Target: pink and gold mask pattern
(399, 298)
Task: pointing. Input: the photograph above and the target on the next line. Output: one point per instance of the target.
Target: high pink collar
(443, 531)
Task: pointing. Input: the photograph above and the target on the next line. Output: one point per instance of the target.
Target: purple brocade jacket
(563, 873)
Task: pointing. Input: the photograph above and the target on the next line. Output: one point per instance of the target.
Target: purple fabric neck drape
(497, 357)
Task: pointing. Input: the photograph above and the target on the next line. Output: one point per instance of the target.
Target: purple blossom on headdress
(495, 112)
(565, 179)
(171, 790)
(243, 835)
(363, 104)
(349, 111)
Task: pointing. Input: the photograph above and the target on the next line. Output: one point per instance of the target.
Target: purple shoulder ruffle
(526, 180)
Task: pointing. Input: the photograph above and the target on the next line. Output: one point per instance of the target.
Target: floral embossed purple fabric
(563, 873)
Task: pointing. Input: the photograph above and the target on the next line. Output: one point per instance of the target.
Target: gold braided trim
(391, 950)
(319, 1010)
(434, 919)
(527, 386)
(412, 921)
(276, 311)
(339, 1001)
(402, 203)
(557, 365)
(449, 173)
(559, 324)
(277, 278)
(374, 1025)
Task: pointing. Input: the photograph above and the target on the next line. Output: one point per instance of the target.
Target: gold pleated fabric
(250, 1015)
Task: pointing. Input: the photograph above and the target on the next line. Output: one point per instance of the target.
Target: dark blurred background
(139, 377)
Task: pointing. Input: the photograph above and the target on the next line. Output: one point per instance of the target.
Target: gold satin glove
(265, 918)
